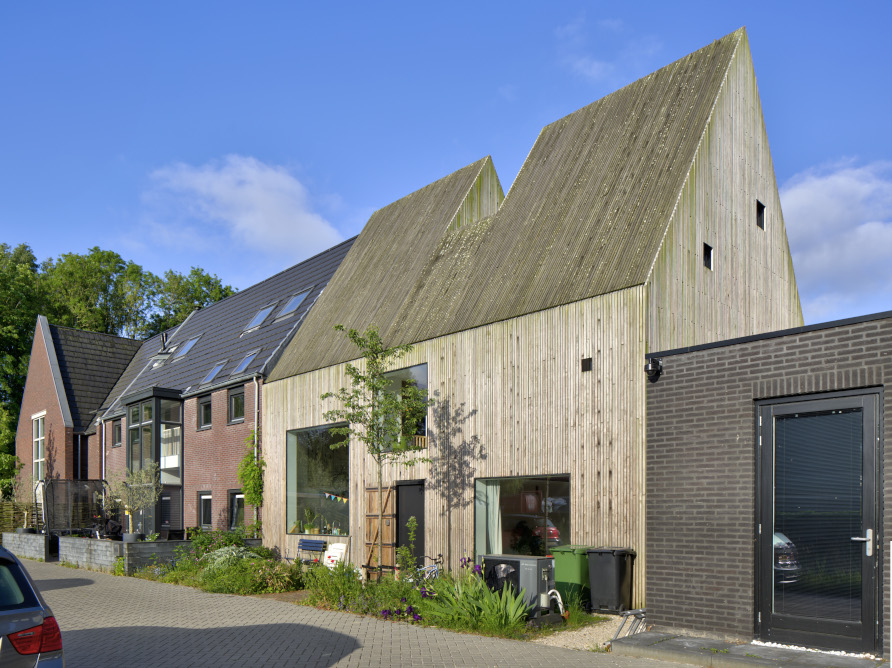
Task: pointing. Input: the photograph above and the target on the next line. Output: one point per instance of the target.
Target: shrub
(226, 557)
(464, 601)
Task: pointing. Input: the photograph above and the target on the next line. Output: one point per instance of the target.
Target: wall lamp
(653, 369)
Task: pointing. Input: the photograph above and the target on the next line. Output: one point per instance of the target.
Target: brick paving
(116, 622)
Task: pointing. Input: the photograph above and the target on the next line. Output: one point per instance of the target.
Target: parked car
(786, 561)
(523, 533)
(29, 634)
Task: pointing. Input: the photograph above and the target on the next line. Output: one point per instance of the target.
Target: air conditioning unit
(535, 575)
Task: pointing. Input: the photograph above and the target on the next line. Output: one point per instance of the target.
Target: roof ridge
(90, 331)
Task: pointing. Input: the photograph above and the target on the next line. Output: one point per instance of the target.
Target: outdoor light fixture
(653, 368)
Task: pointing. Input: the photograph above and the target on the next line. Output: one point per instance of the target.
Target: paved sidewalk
(119, 622)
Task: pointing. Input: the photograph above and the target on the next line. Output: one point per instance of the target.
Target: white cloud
(238, 200)
(839, 225)
(627, 58)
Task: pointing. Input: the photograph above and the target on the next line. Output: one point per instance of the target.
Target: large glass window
(521, 515)
(140, 451)
(318, 482)
(411, 376)
(171, 429)
(39, 449)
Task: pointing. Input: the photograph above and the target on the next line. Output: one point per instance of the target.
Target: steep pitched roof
(389, 256)
(585, 216)
(89, 364)
(220, 330)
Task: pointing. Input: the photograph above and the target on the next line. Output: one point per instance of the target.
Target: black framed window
(205, 510)
(707, 256)
(140, 435)
(117, 434)
(205, 412)
(236, 509)
(237, 405)
(760, 215)
(521, 515)
(317, 482)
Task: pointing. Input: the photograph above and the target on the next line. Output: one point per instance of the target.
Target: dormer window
(245, 363)
(258, 319)
(292, 304)
(186, 347)
(218, 367)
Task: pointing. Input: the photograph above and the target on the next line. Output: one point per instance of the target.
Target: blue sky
(245, 137)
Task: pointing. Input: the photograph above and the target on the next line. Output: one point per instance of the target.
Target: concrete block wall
(701, 455)
(28, 545)
(97, 555)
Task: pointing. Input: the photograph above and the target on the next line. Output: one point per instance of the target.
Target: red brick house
(189, 399)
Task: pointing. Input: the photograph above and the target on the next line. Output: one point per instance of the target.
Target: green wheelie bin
(571, 576)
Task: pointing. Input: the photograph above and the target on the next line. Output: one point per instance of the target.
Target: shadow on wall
(261, 644)
(454, 466)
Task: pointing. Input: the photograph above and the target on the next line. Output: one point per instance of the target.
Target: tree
(178, 295)
(383, 421)
(138, 491)
(138, 290)
(21, 299)
(85, 290)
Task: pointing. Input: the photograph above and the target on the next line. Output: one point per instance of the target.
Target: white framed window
(205, 514)
(39, 449)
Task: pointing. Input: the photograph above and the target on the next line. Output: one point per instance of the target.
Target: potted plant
(137, 492)
(309, 522)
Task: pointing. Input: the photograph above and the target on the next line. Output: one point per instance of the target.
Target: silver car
(29, 634)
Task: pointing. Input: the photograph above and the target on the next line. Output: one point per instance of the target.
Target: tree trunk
(380, 522)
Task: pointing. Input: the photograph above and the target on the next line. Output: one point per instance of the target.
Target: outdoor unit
(535, 575)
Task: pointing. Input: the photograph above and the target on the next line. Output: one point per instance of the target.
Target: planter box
(140, 555)
(97, 555)
(28, 545)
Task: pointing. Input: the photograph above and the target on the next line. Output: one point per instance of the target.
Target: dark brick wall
(40, 395)
(701, 476)
(211, 456)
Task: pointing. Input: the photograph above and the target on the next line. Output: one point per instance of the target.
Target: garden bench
(314, 546)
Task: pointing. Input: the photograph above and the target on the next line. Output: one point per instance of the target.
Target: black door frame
(871, 399)
(419, 518)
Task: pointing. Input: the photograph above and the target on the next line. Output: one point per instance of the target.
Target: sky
(245, 137)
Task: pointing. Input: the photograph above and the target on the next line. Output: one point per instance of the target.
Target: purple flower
(409, 610)
(403, 599)
(385, 613)
(477, 569)
(416, 617)
(399, 612)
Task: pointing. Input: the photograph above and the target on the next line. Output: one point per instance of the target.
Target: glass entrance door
(818, 525)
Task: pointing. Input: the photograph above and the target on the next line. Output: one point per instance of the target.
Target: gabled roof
(221, 336)
(389, 256)
(88, 364)
(585, 216)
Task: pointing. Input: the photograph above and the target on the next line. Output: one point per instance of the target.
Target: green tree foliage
(97, 291)
(250, 472)
(21, 300)
(381, 420)
(180, 294)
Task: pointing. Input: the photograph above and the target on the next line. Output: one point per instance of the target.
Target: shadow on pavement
(61, 583)
(285, 644)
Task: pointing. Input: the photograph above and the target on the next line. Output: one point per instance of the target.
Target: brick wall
(701, 476)
(211, 456)
(40, 395)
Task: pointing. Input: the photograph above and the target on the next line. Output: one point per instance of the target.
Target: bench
(314, 546)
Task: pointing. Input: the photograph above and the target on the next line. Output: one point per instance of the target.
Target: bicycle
(431, 572)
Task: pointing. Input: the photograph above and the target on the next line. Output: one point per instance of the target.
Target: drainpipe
(256, 423)
(102, 447)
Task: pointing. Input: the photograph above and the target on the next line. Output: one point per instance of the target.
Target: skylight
(213, 372)
(185, 348)
(292, 304)
(245, 363)
(260, 317)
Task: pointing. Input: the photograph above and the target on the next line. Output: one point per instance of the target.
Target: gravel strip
(588, 638)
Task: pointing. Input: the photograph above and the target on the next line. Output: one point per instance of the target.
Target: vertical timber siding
(751, 288)
(511, 400)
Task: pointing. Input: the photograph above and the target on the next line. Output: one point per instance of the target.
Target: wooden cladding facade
(510, 400)
(751, 287)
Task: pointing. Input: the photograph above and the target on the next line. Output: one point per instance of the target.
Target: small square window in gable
(760, 215)
(707, 256)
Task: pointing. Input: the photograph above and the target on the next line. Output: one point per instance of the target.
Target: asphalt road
(117, 622)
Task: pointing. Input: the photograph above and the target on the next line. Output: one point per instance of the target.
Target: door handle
(868, 539)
